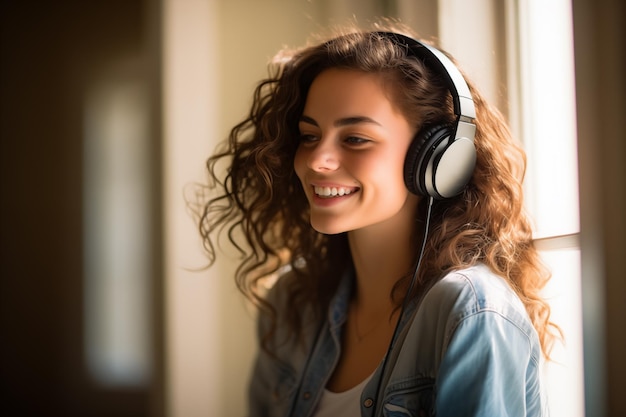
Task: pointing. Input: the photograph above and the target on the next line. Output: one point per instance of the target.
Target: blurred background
(108, 110)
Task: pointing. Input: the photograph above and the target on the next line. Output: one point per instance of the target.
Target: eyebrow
(346, 121)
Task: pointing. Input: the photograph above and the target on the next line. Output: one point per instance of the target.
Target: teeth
(332, 191)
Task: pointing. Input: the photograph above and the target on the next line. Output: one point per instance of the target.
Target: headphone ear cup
(452, 167)
(419, 155)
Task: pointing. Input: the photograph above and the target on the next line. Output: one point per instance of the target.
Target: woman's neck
(382, 254)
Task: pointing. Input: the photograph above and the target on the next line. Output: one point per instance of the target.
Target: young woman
(387, 195)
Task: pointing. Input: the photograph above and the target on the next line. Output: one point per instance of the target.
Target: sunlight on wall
(117, 233)
(192, 302)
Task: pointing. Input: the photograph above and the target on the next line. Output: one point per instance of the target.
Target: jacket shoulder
(474, 291)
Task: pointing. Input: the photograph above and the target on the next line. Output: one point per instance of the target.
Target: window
(542, 44)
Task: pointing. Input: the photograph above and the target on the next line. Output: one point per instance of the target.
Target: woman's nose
(324, 156)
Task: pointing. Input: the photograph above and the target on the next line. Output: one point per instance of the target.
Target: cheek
(388, 169)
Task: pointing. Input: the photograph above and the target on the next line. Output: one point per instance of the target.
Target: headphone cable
(405, 302)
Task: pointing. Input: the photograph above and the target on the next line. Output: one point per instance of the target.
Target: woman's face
(351, 154)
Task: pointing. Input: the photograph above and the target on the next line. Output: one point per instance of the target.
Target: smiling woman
(408, 279)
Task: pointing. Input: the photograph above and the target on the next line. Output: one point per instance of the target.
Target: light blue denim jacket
(467, 348)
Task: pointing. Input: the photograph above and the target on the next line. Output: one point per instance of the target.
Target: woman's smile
(330, 192)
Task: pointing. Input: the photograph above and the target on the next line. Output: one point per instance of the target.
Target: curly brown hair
(262, 208)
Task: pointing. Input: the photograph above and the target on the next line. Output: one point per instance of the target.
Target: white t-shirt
(344, 404)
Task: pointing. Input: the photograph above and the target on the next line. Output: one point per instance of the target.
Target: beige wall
(213, 52)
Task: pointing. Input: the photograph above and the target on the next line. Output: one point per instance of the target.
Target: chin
(327, 228)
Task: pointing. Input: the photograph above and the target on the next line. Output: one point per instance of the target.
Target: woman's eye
(307, 138)
(355, 140)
